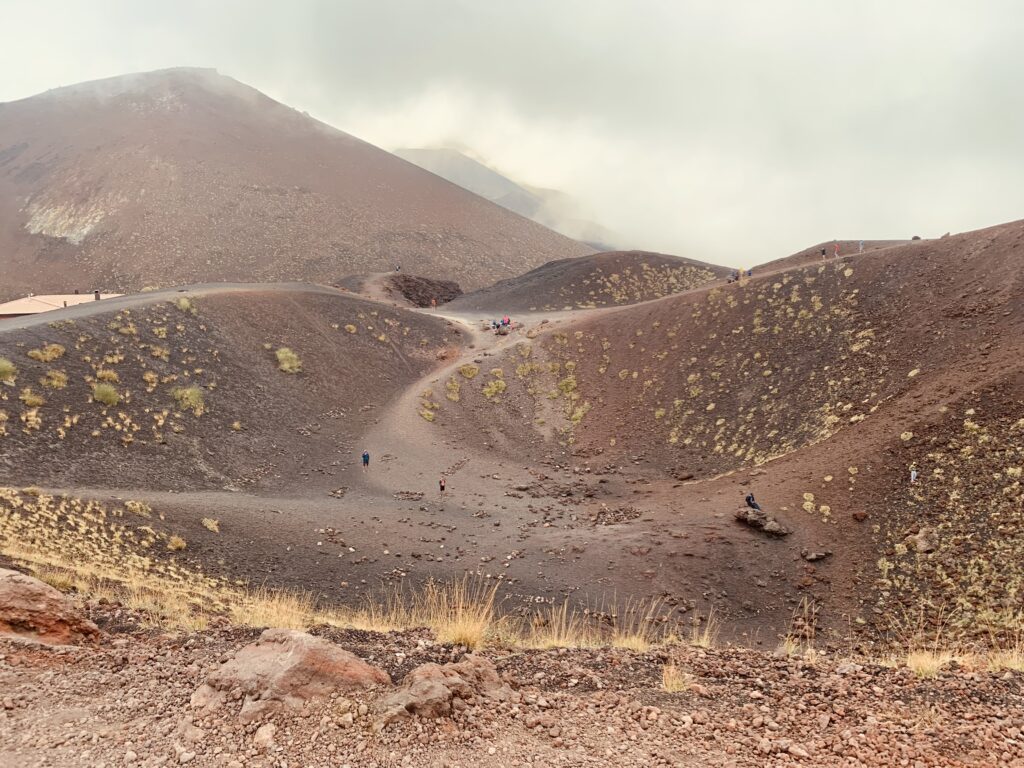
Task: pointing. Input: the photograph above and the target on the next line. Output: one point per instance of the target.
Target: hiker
(751, 503)
(433, 303)
(913, 475)
(366, 460)
(750, 272)
(441, 486)
(824, 256)
(860, 247)
(837, 249)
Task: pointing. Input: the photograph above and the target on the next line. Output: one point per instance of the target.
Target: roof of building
(33, 305)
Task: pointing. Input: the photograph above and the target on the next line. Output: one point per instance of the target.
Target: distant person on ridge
(366, 460)
(837, 249)
(861, 247)
(441, 486)
(824, 254)
(751, 503)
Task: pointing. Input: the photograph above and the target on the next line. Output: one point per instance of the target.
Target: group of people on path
(441, 483)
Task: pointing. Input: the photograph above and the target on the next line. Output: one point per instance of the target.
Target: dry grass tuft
(561, 627)
(31, 399)
(105, 393)
(469, 370)
(176, 543)
(269, 608)
(47, 353)
(928, 662)
(108, 375)
(674, 679)
(211, 525)
(705, 635)
(288, 361)
(54, 380)
(140, 508)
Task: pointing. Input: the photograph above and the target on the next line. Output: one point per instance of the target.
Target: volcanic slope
(599, 280)
(183, 175)
(245, 387)
(819, 388)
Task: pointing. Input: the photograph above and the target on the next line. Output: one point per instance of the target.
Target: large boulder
(36, 611)
(285, 669)
(431, 690)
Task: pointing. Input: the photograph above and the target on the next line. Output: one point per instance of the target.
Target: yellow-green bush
(105, 393)
(190, 399)
(288, 361)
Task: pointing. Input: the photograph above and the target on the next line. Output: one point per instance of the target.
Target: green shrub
(288, 361)
(105, 393)
(190, 399)
(469, 370)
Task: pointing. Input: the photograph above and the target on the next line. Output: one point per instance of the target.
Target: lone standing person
(441, 486)
(913, 475)
(824, 254)
(861, 247)
(837, 249)
(366, 460)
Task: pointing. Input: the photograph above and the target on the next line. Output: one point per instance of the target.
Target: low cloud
(734, 132)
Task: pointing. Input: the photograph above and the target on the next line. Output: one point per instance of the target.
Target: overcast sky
(729, 130)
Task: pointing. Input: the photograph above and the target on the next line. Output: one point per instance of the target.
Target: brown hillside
(818, 388)
(202, 397)
(184, 175)
(599, 280)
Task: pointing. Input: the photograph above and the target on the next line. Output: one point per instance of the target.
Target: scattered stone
(762, 521)
(925, 540)
(429, 690)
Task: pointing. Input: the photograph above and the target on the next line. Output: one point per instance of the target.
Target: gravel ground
(126, 702)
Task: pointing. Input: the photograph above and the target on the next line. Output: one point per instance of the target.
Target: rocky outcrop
(36, 611)
(433, 690)
(762, 521)
(285, 669)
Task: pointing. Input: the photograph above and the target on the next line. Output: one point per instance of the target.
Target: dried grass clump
(31, 399)
(105, 393)
(211, 525)
(140, 508)
(54, 380)
(674, 679)
(469, 370)
(176, 543)
(47, 353)
(108, 375)
(288, 361)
